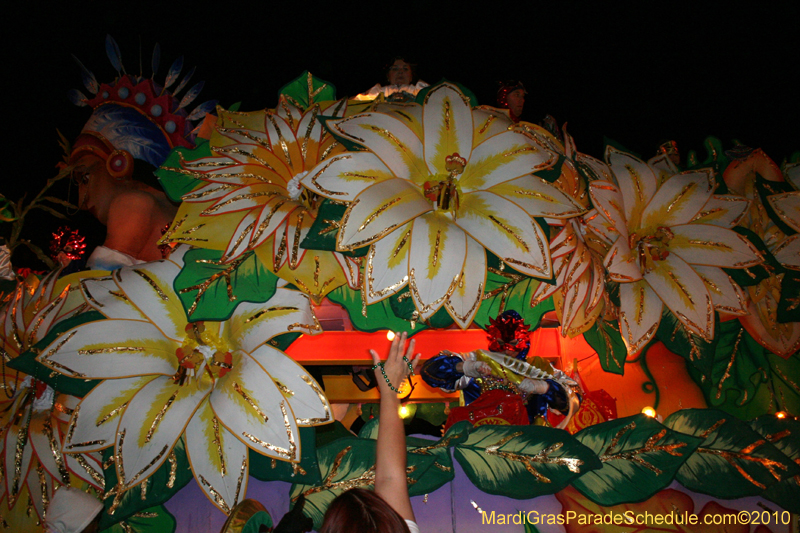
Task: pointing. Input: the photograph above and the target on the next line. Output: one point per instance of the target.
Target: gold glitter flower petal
(639, 314)
(218, 459)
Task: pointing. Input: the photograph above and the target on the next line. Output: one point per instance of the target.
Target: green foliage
(639, 458)
(306, 90)
(154, 520)
(322, 233)
(523, 461)
(172, 476)
(698, 352)
(174, 179)
(210, 289)
(605, 339)
(344, 464)
(379, 316)
(785, 435)
(733, 460)
(305, 472)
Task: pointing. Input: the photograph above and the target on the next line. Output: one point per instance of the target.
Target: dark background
(639, 73)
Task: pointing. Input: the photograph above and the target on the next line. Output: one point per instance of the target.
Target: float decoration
(305, 471)
(173, 372)
(604, 337)
(782, 432)
(33, 419)
(431, 178)
(306, 90)
(151, 520)
(431, 460)
(523, 462)
(248, 197)
(210, 289)
(669, 236)
(172, 476)
(349, 462)
(732, 461)
(639, 457)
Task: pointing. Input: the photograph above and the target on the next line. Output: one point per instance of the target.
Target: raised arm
(390, 465)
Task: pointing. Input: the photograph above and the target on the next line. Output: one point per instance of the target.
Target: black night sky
(639, 73)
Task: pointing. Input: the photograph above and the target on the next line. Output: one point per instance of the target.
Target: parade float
(663, 291)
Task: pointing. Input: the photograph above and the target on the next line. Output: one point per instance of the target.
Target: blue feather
(89, 81)
(184, 81)
(191, 94)
(77, 98)
(174, 72)
(156, 58)
(201, 110)
(112, 51)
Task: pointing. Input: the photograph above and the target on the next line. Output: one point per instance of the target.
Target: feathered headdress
(134, 115)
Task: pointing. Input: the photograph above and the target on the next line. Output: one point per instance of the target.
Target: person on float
(134, 125)
(511, 96)
(73, 511)
(403, 84)
(387, 509)
(134, 213)
(475, 375)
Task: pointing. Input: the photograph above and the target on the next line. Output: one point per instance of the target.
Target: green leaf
(523, 461)
(305, 472)
(605, 339)
(430, 461)
(322, 234)
(733, 461)
(639, 457)
(767, 188)
(210, 289)
(51, 211)
(505, 292)
(306, 90)
(754, 275)
(177, 181)
(344, 464)
(26, 362)
(715, 158)
(152, 520)
(379, 315)
(678, 339)
(747, 379)
(784, 433)
(171, 477)
(789, 304)
(737, 368)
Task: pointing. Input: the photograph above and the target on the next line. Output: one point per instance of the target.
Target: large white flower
(251, 198)
(787, 207)
(32, 417)
(220, 385)
(670, 237)
(438, 185)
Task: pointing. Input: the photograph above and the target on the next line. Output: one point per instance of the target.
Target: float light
(390, 335)
(649, 411)
(404, 411)
(780, 414)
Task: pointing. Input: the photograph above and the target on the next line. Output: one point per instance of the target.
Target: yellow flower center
(201, 353)
(651, 247)
(442, 190)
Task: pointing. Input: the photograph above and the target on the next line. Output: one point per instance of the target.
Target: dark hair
(411, 64)
(364, 509)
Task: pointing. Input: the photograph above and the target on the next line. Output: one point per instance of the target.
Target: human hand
(476, 369)
(534, 386)
(396, 369)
